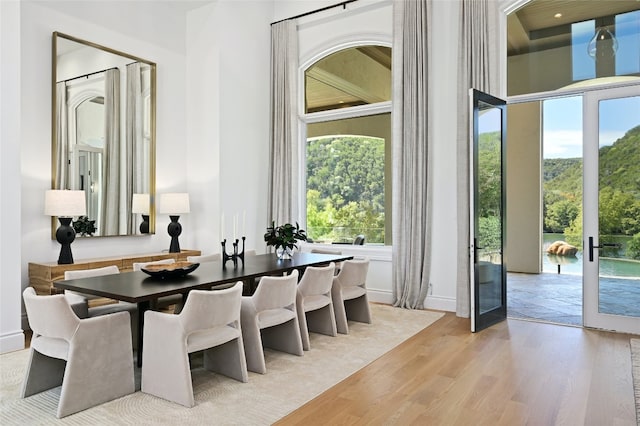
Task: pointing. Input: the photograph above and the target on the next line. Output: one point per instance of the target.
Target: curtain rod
(343, 4)
(87, 75)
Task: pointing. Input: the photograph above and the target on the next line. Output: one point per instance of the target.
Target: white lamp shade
(64, 203)
(174, 203)
(140, 203)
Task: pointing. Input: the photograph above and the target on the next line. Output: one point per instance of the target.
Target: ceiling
(351, 77)
(534, 27)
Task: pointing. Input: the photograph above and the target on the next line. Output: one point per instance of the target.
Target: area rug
(290, 381)
(635, 368)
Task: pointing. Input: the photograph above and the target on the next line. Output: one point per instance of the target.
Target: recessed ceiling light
(558, 15)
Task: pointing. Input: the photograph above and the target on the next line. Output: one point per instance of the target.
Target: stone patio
(557, 298)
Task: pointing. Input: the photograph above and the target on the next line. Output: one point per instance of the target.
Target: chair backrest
(206, 309)
(50, 316)
(139, 265)
(326, 251)
(204, 258)
(85, 273)
(359, 240)
(316, 280)
(353, 273)
(276, 292)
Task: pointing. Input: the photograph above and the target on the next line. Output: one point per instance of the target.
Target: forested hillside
(619, 194)
(345, 188)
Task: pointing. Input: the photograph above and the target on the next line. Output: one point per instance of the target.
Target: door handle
(602, 245)
(475, 250)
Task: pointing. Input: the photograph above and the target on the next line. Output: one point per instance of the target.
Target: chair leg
(322, 321)
(358, 309)
(228, 359)
(253, 348)
(304, 332)
(341, 315)
(166, 370)
(284, 337)
(43, 373)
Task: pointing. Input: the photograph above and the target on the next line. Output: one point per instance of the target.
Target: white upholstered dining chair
(269, 319)
(209, 321)
(349, 294)
(91, 358)
(313, 303)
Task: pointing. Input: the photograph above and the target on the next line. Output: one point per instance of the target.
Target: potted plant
(284, 238)
(84, 226)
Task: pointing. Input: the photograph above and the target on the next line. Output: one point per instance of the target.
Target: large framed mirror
(103, 134)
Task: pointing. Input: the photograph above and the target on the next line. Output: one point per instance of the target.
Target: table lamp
(140, 204)
(65, 204)
(174, 204)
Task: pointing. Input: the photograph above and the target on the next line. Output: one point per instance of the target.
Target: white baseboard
(380, 296)
(432, 302)
(13, 341)
(447, 304)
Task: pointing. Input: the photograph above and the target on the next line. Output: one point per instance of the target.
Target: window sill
(378, 253)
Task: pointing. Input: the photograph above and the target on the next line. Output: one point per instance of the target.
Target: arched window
(347, 109)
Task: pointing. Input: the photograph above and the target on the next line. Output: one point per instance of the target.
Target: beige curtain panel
(412, 154)
(283, 179)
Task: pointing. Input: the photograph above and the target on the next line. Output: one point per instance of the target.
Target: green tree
(618, 212)
(559, 215)
(633, 247)
(345, 188)
(489, 233)
(489, 174)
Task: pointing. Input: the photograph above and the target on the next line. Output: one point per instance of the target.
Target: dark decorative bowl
(170, 270)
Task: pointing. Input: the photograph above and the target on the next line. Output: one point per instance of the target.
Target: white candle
(235, 224)
(244, 217)
(222, 227)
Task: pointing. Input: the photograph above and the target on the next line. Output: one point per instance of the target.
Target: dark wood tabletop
(137, 287)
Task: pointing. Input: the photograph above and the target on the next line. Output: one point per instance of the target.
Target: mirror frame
(152, 120)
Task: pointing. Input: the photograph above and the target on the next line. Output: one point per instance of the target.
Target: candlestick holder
(233, 256)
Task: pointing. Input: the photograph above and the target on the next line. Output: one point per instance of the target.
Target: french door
(611, 293)
(487, 225)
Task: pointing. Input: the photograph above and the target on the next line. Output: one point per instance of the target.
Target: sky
(562, 124)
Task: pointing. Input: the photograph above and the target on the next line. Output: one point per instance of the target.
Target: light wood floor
(515, 373)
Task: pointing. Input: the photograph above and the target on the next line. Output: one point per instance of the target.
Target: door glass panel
(619, 206)
(489, 205)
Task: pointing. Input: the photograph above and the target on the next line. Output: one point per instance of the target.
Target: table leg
(142, 308)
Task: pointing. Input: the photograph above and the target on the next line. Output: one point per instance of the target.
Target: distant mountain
(553, 167)
(620, 163)
(619, 168)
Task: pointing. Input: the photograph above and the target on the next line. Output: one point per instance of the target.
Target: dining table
(141, 288)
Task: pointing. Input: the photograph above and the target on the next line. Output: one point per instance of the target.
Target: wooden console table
(42, 275)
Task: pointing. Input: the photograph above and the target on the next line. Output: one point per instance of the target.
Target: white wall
(11, 337)
(228, 51)
(445, 112)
